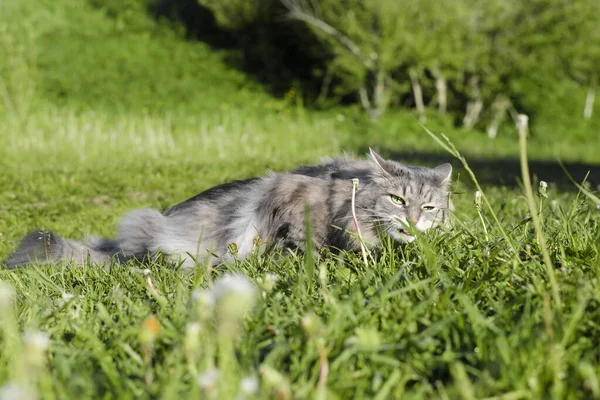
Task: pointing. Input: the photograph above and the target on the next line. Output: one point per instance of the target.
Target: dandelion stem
(522, 127)
(363, 248)
(478, 197)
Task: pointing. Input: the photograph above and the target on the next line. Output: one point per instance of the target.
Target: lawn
(463, 313)
(470, 312)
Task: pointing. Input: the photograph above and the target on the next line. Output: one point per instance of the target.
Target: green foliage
(237, 14)
(125, 113)
(456, 312)
(500, 43)
(115, 57)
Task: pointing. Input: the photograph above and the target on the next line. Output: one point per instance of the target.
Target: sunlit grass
(464, 313)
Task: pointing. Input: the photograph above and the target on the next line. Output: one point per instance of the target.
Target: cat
(232, 220)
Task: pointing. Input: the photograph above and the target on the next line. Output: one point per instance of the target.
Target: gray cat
(259, 213)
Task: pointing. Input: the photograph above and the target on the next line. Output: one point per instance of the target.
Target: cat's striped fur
(271, 208)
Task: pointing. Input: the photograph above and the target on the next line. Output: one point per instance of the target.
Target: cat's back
(217, 194)
(252, 189)
(337, 169)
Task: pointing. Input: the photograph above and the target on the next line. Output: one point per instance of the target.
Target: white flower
(543, 189)
(478, 199)
(204, 298)
(268, 282)
(271, 278)
(205, 303)
(209, 379)
(233, 284)
(67, 296)
(191, 341)
(235, 295)
(7, 295)
(193, 328)
(249, 385)
(14, 391)
(143, 272)
(36, 341)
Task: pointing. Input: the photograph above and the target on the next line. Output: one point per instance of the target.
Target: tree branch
(298, 13)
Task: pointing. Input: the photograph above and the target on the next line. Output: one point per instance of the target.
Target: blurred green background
(368, 71)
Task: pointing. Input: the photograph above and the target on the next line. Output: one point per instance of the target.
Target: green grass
(467, 313)
(455, 314)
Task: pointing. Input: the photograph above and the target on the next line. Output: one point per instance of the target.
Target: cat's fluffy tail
(136, 234)
(44, 246)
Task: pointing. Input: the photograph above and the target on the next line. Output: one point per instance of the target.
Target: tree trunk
(418, 95)
(589, 102)
(441, 87)
(499, 106)
(364, 98)
(474, 106)
(374, 93)
(379, 94)
(325, 86)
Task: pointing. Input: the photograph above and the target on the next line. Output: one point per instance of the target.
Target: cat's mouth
(406, 233)
(400, 234)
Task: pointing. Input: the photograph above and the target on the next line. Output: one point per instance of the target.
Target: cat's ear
(444, 173)
(377, 159)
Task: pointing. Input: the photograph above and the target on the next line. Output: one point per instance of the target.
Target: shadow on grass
(504, 171)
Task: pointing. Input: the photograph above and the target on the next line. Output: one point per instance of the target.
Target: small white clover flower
(268, 282)
(143, 272)
(235, 295)
(34, 355)
(193, 328)
(191, 342)
(233, 284)
(205, 301)
(204, 298)
(14, 391)
(249, 386)
(7, 296)
(36, 341)
(67, 296)
(478, 199)
(209, 379)
(543, 189)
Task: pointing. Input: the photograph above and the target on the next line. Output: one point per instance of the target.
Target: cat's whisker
(371, 217)
(363, 215)
(372, 211)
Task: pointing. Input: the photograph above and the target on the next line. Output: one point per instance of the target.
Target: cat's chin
(401, 236)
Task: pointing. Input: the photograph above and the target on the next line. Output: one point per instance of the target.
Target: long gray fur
(272, 208)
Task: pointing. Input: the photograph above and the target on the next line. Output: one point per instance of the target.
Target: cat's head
(407, 198)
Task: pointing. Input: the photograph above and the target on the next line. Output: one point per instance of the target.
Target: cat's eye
(428, 208)
(397, 200)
